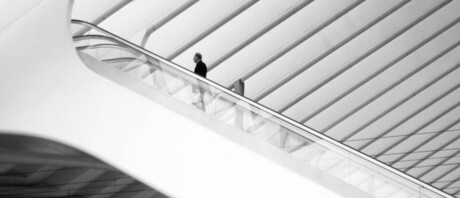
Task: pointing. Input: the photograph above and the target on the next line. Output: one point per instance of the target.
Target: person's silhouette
(201, 70)
(200, 67)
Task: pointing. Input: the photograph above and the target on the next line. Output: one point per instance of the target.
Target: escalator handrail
(271, 112)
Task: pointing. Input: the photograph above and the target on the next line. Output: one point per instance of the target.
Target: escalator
(141, 71)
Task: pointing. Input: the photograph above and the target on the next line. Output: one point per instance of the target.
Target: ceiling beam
(451, 183)
(412, 160)
(326, 80)
(433, 153)
(402, 135)
(447, 181)
(295, 43)
(418, 129)
(104, 16)
(254, 37)
(432, 165)
(157, 25)
(266, 91)
(424, 151)
(409, 96)
(210, 30)
(258, 34)
(456, 192)
(382, 69)
(110, 12)
(422, 143)
(438, 177)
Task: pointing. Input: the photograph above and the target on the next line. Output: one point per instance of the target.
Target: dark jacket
(201, 69)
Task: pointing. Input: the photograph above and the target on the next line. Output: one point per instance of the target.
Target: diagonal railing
(311, 147)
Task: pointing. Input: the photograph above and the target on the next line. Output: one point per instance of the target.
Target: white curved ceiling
(379, 76)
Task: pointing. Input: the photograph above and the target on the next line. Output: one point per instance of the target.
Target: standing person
(201, 70)
(200, 67)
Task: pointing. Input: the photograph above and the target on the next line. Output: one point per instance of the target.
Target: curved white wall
(46, 91)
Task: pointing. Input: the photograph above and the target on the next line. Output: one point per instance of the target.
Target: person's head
(197, 57)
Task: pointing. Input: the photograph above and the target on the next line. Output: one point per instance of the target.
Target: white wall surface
(11, 11)
(46, 91)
